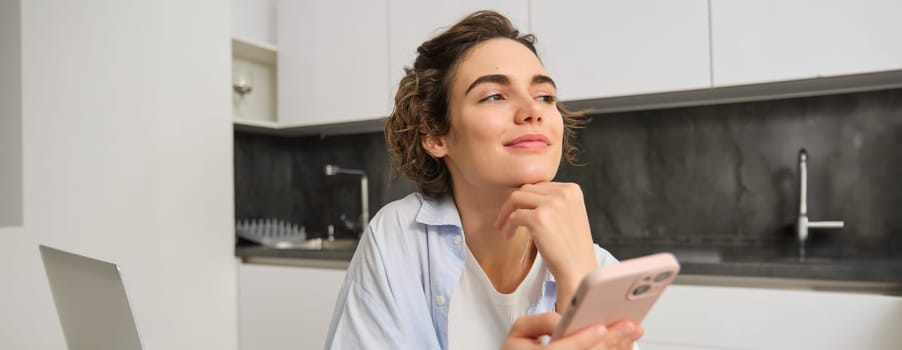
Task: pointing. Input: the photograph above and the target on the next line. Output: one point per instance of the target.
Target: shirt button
(458, 240)
(440, 299)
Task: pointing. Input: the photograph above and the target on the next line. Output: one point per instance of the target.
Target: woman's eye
(493, 98)
(547, 98)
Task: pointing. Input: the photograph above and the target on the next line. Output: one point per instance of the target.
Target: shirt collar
(440, 211)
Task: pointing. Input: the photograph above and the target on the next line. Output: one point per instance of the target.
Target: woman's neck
(506, 262)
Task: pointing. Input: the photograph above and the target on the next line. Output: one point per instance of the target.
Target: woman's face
(505, 127)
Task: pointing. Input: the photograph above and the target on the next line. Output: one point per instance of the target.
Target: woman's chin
(533, 177)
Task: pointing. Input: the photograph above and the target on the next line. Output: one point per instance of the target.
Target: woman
(491, 247)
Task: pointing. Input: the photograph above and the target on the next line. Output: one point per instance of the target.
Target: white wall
(127, 157)
(10, 115)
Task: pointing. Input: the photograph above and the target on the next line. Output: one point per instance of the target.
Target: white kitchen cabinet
(333, 61)
(288, 307)
(702, 317)
(285, 307)
(608, 48)
(254, 21)
(413, 22)
(757, 41)
(254, 64)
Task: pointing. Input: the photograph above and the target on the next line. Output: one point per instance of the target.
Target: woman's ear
(435, 146)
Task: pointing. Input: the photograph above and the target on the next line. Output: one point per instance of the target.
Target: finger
(628, 330)
(622, 335)
(566, 190)
(519, 218)
(541, 187)
(587, 338)
(517, 200)
(534, 326)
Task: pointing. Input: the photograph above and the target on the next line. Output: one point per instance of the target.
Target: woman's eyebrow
(491, 78)
(541, 79)
(504, 80)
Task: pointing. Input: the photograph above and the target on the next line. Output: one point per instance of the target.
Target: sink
(697, 255)
(319, 244)
(806, 260)
(767, 255)
(782, 260)
(811, 260)
(339, 244)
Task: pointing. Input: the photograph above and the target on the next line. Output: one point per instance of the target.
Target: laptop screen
(91, 302)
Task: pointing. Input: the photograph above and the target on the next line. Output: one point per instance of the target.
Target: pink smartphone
(624, 291)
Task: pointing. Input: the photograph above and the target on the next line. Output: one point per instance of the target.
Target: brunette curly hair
(421, 103)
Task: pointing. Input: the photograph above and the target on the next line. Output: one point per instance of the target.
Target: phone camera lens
(641, 289)
(663, 276)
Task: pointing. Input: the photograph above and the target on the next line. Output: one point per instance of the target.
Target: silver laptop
(90, 301)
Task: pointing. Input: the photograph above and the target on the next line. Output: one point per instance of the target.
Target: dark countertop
(249, 251)
(773, 262)
(694, 260)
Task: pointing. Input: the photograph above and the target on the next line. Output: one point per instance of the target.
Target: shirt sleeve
(603, 257)
(365, 315)
(359, 322)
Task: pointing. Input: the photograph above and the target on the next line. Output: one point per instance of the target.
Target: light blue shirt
(398, 288)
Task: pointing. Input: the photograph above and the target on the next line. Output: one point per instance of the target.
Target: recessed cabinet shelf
(254, 51)
(254, 81)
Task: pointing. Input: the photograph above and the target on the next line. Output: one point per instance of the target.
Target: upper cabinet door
(333, 61)
(412, 22)
(772, 40)
(254, 21)
(605, 48)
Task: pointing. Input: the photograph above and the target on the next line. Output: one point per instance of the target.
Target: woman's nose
(529, 113)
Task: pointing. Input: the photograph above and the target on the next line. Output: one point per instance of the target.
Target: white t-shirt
(480, 317)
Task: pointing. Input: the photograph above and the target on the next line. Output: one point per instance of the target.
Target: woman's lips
(529, 142)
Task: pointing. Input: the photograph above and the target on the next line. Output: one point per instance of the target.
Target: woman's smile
(529, 142)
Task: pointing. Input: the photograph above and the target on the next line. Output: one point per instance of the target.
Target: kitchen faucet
(803, 224)
(364, 197)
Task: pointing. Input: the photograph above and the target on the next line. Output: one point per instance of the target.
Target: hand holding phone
(527, 329)
(624, 291)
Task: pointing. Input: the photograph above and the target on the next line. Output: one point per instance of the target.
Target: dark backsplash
(284, 178)
(723, 175)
